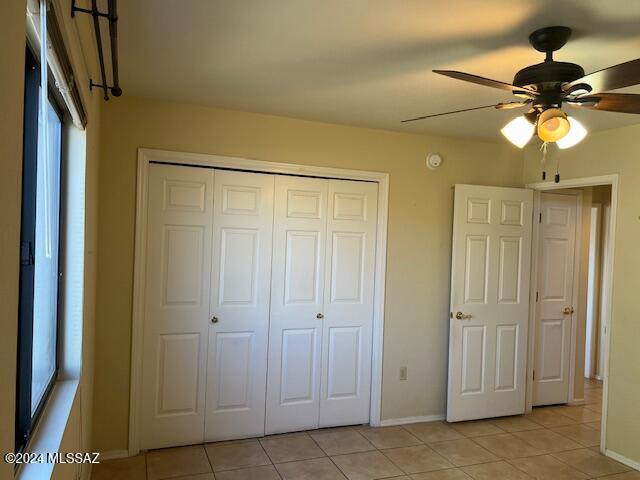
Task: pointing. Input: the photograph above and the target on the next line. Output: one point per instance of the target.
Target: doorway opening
(506, 241)
(570, 308)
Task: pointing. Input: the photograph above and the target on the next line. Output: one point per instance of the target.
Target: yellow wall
(12, 56)
(420, 210)
(615, 151)
(12, 38)
(602, 194)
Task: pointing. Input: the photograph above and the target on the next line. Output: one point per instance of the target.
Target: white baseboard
(577, 402)
(113, 454)
(407, 420)
(622, 459)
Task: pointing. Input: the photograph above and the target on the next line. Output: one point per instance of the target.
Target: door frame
(594, 295)
(613, 180)
(147, 156)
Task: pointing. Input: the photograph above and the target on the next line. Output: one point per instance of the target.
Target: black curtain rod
(113, 34)
(112, 16)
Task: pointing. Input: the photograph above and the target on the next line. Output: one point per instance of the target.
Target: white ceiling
(363, 62)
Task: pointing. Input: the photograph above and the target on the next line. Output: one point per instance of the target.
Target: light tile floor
(558, 442)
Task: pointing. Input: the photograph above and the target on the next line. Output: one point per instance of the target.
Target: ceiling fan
(544, 87)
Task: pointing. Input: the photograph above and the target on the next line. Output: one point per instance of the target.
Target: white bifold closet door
(248, 273)
(240, 286)
(321, 303)
(206, 305)
(178, 275)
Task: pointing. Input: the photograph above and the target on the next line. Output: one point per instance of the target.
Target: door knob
(567, 310)
(319, 316)
(462, 316)
(214, 319)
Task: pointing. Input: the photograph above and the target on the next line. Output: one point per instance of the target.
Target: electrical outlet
(403, 373)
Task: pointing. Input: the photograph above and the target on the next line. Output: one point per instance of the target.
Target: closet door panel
(239, 310)
(178, 271)
(297, 296)
(348, 307)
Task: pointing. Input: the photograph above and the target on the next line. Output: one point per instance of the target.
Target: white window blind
(55, 55)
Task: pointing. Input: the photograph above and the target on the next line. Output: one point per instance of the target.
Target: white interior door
(489, 302)
(554, 311)
(178, 267)
(297, 299)
(348, 303)
(239, 314)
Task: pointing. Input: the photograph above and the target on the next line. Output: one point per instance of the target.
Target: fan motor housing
(548, 74)
(550, 39)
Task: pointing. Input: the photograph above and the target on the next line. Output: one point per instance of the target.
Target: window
(39, 252)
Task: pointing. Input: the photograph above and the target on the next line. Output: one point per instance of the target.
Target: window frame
(26, 421)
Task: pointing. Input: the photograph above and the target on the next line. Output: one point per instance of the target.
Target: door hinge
(540, 218)
(536, 296)
(534, 375)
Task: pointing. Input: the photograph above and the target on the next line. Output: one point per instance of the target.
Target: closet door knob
(319, 316)
(214, 319)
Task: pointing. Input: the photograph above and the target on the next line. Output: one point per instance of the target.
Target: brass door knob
(567, 310)
(319, 316)
(214, 319)
(462, 316)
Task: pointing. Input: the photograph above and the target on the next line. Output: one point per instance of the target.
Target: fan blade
(486, 82)
(612, 78)
(499, 106)
(510, 105)
(611, 102)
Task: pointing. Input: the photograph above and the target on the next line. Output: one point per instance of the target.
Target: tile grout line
(209, 460)
(344, 474)
(329, 456)
(269, 457)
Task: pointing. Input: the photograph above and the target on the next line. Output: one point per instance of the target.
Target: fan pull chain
(543, 148)
(557, 179)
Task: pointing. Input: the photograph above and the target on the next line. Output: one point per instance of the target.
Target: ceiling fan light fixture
(576, 134)
(518, 131)
(553, 125)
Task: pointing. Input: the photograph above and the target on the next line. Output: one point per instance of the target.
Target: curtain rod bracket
(112, 16)
(115, 91)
